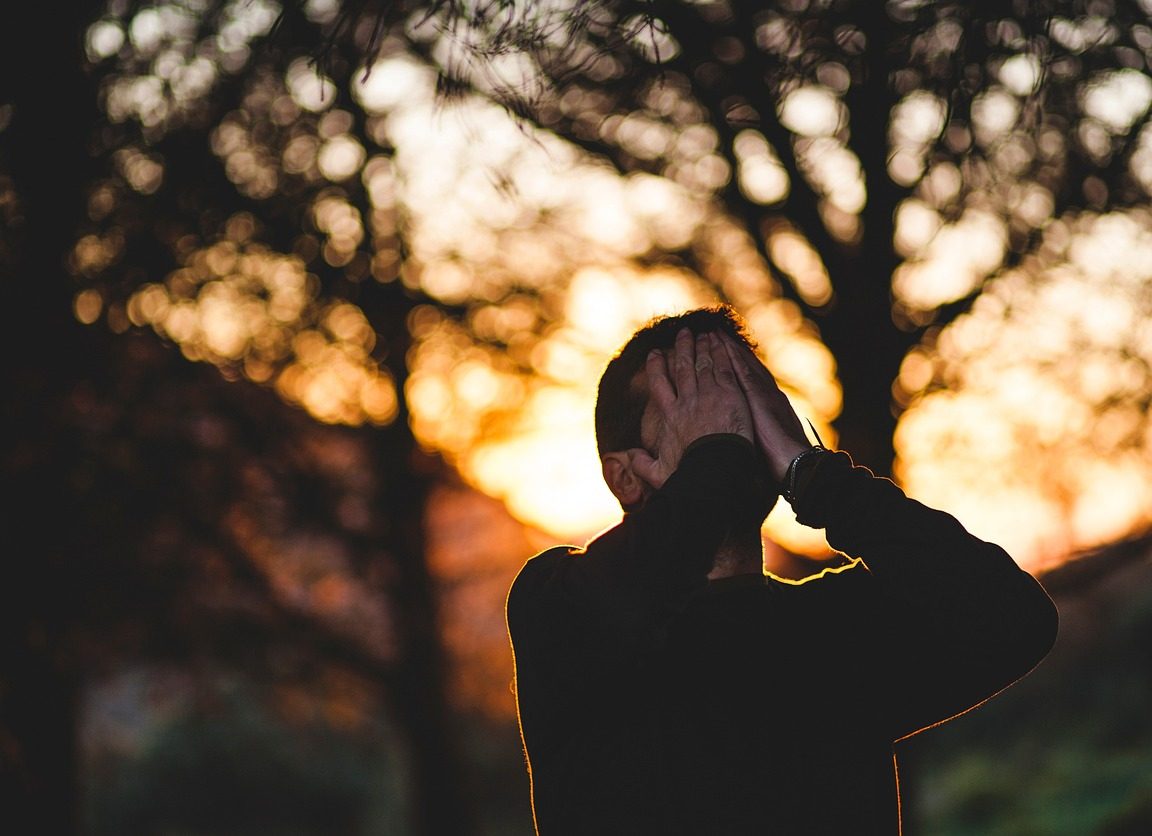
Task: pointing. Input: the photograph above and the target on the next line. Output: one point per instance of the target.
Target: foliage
(872, 170)
(350, 243)
(229, 765)
(893, 164)
(425, 246)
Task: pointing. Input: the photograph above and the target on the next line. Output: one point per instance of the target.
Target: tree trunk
(858, 327)
(44, 152)
(406, 473)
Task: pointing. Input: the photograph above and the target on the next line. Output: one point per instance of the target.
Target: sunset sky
(1032, 442)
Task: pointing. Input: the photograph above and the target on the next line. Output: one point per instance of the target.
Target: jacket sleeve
(953, 618)
(613, 594)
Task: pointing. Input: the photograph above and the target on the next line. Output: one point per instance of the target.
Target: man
(667, 686)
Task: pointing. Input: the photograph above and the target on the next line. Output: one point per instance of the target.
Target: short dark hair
(619, 401)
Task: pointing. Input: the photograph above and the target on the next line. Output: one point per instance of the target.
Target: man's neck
(738, 555)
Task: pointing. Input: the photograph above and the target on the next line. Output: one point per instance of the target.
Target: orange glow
(238, 304)
(87, 306)
(489, 414)
(531, 442)
(794, 255)
(1039, 441)
(951, 260)
(762, 177)
(540, 456)
(549, 476)
(1028, 404)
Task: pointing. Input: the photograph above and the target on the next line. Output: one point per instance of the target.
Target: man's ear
(622, 480)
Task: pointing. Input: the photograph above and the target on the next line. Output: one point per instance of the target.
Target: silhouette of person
(666, 685)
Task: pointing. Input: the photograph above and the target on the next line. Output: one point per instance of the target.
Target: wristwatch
(789, 484)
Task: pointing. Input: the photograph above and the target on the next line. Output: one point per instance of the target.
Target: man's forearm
(956, 620)
(919, 553)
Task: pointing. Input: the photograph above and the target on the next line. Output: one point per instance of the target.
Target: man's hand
(692, 392)
(778, 431)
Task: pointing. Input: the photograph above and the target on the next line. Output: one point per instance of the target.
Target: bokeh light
(1037, 436)
(240, 306)
(460, 232)
(549, 257)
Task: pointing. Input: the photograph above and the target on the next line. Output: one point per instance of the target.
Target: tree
(120, 521)
(892, 163)
(864, 173)
(40, 687)
(895, 124)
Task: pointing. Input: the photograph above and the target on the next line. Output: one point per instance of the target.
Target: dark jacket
(654, 702)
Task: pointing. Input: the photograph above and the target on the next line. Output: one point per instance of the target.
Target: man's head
(623, 393)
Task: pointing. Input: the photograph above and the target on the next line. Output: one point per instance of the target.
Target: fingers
(750, 372)
(711, 363)
(660, 387)
(684, 363)
(647, 468)
(701, 359)
(739, 362)
(722, 367)
(777, 427)
(703, 368)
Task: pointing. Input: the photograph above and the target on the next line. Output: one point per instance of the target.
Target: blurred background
(305, 305)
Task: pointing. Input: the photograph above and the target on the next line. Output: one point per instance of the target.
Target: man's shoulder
(540, 566)
(543, 561)
(532, 577)
(543, 564)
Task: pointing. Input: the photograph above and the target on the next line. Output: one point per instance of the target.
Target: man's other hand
(778, 431)
(692, 392)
